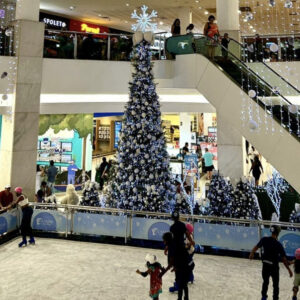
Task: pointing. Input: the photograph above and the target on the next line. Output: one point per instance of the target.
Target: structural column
(185, 129)
(18, 153)
(186, 18)
(230, 151)
(228, 18)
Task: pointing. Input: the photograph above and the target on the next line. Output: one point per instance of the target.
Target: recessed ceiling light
(161, 23)
(127, 4)
(197, 1)
(99, 15)
(206, 12)
(126, 22)
(199, 7)
(72, 7)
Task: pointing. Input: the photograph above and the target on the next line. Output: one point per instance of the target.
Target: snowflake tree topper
(144, 20)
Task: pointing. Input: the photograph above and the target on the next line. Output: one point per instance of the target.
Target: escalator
(263, 91)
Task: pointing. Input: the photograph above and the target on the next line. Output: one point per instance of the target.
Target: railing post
(279, 48)
(159, 55)
(108, 48)
(75, 46)
(67, 222)
(164, 50)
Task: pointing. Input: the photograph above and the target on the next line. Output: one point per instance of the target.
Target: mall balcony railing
(211, 231)
(254, 49)
(103, 46)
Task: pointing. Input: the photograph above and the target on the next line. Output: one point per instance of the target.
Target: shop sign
(88, 28)
(54, 22)
(2, 13)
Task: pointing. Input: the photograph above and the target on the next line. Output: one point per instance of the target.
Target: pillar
(185, 129)
(230, 151)
(18, 152)
(186, 18)
(228, 18)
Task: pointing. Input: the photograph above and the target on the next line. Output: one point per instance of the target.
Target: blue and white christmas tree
(143, 179)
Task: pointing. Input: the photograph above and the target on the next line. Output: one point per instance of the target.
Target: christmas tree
(220, 195)
(143, 179)
(244, 204)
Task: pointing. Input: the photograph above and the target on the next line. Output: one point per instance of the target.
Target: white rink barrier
(224, 233)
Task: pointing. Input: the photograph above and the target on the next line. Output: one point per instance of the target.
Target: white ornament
(288, 4)
(293, 108)
(252, 93)
(274, 47)
(253, 125)
(8, 32)
(249, 16)
(143, 20)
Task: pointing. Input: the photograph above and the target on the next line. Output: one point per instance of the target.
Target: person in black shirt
(225, 42)
(178, 261)
(185, 149)
(272, 254)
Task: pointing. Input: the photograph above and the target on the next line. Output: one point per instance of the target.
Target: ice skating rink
(60, 269)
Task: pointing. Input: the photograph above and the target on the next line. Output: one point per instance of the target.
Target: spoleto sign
(56, 23)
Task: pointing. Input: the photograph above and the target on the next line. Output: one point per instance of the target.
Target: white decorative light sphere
(9, 32)
(252, 93)
(249, 16)
(293, 108)
(274, 47)
(253, 125)
(288, 4)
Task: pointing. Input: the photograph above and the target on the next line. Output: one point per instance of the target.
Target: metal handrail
(245, 48)
(272, 35)
(164, 215)
(244, 65)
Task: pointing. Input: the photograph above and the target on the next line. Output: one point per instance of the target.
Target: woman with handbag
(27, 212)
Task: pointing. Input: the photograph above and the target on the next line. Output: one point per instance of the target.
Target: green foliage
(82, 123)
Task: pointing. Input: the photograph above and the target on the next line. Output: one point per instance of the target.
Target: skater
(178, 261)
(272, 253)
(296, 263)
(154, 270)
(27, 212)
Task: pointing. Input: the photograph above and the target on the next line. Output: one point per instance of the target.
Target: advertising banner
(8, 221)
(226, 236)
(149, 229)
(98, 224)
(289, 239)
(191, 163)
(49, 220)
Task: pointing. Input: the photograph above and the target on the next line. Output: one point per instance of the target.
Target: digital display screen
(66, 158)
(118, 127)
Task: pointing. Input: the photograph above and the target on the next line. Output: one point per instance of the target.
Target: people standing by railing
(176, 30)
(211, 30)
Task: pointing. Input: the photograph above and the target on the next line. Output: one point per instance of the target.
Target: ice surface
(60, 269)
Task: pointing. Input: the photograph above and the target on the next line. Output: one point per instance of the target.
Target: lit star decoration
(144, 20)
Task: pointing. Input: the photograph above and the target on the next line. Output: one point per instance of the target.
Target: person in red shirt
(6, 197)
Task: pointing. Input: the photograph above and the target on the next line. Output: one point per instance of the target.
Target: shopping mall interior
(151, 138)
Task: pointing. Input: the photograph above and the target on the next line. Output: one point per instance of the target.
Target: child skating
(272, 254)
(296, 274)
(154, 270)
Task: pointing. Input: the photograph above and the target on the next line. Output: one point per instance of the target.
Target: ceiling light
(126, 22)
(161, 23)
(199, 7)
(206, 12)
(127, 4)
(197, 1)
(99, 15)
(72, 7)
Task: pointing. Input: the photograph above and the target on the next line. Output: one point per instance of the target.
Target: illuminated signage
(56, 23)
(88, 29)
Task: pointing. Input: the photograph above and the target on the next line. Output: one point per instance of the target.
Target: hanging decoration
(144, 20)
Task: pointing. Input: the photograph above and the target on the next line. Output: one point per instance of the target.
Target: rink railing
(224, 233)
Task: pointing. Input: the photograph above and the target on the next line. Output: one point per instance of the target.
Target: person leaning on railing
(211, 30)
